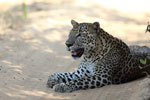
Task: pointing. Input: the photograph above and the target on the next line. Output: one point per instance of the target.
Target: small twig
(148, 28)
(146, 66)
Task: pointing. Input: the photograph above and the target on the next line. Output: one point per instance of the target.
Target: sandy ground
(33, 48)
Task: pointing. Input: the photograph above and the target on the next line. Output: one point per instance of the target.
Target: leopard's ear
(74, 23)
(96, 25)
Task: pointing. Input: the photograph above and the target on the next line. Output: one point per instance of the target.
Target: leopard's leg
(57, 78)
(83, 83)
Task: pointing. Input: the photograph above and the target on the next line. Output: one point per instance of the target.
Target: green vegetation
(24, 9)
(143, 61)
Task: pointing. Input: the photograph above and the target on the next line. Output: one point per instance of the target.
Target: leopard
(105, 60)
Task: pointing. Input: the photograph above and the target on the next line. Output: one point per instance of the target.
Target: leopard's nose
(68, 44)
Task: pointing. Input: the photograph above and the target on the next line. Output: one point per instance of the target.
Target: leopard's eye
(78, 35)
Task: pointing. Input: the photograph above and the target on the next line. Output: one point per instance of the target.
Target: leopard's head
(82, 38)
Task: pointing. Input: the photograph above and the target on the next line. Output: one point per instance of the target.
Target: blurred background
(124, 19)
(32, 37)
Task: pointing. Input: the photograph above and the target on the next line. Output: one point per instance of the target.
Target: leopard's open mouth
(77, 53)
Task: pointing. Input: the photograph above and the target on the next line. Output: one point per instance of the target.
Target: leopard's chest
(87, 68)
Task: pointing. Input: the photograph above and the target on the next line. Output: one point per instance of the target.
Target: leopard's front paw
(52, 80)
(62, 87)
